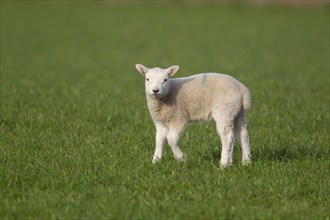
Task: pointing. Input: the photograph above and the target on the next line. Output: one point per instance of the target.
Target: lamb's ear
(172, 70)
(142, 69)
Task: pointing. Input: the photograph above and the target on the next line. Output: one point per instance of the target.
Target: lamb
(173, 102)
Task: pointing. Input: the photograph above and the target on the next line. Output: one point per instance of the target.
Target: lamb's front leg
(173, 138)
(161, 133)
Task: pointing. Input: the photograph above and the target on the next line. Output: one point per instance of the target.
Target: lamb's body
(199, 97)
(202, 97)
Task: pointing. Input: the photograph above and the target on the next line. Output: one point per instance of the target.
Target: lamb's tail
(247, 103)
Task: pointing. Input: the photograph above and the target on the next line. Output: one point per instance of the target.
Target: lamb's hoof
(181, 158)
(155, 159)
(224, 166)
(246, 162)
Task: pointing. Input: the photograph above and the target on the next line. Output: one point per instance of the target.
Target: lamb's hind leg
(173, 138)
(243, 137)
(225, 130)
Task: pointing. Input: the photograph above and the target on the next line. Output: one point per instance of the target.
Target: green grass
(76, 136)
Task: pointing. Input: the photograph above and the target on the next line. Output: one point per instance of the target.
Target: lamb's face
(157, 80)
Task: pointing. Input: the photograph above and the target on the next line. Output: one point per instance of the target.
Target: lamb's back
(205, 86)
(196, 96)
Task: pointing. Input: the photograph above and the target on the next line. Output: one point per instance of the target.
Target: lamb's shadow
(286, 154)
(280, 154)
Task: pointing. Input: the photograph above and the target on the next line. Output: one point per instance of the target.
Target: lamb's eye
(147, 79)
(165, 80)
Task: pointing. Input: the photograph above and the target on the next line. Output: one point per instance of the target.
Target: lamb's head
(156, 79)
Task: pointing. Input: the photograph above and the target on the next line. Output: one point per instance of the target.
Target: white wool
(173, 102)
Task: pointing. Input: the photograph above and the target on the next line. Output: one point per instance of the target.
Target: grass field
(76, 136)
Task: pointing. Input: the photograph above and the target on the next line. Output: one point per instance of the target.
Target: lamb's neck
(160, 110)
(154, 104)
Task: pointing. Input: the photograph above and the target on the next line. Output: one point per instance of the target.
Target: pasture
(77, 140)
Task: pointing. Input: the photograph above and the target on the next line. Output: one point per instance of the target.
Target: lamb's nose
(155, 91)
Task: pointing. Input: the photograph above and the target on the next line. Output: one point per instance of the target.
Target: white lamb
(202, 97)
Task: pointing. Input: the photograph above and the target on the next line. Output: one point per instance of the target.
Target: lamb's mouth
(157, 95)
